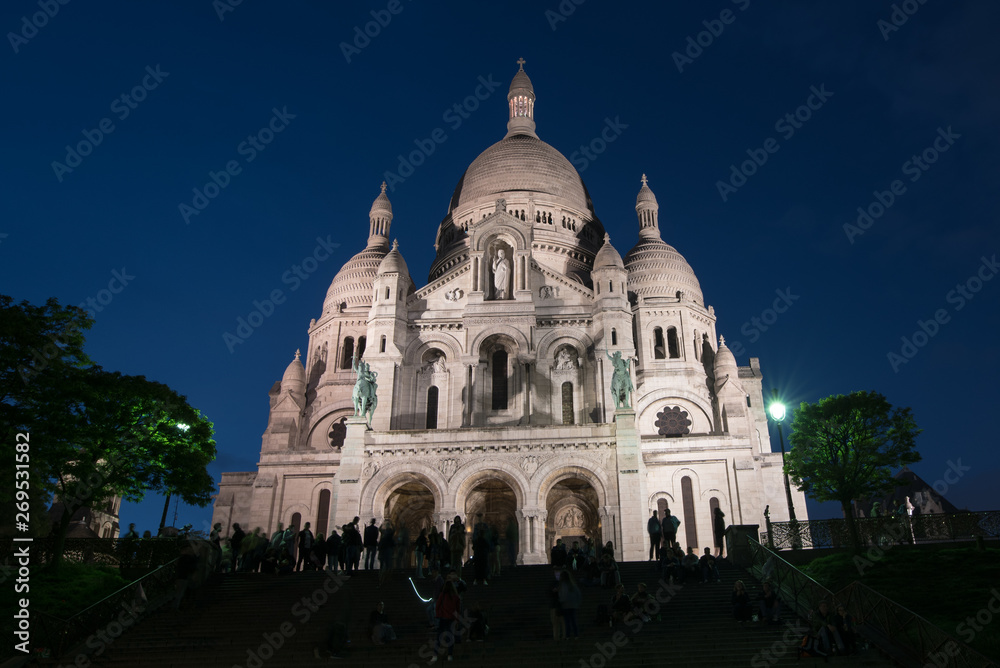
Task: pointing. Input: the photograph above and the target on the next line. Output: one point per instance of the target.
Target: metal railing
(883, 531)
(112, 614)
(140, 553)
(899, 632)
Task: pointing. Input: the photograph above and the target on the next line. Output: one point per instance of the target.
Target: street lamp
(777, 411)
(166, 503)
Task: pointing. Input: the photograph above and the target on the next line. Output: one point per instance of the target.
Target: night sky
(762, 130)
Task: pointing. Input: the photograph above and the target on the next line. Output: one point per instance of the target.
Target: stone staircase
(254, 620)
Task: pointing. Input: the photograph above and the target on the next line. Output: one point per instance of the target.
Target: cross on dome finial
(383, 187)
(521, 62)
(395, 244)
(722, 340)
(643, 179)
(298, 354)
(607, 238)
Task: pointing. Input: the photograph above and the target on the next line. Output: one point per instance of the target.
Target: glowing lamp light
(777, 411)
(182, 426)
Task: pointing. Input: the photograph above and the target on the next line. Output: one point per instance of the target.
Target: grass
(945, 586)
(72, 587)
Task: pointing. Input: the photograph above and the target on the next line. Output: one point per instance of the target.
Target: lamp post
(777, 411)
(166, 502)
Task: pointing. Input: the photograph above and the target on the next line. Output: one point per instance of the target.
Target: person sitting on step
(740, 600)
(770, 606)
(689, 566)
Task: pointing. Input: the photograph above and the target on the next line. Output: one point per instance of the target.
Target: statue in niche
(564, 360)
(546, 292)
(572, 518)
(436, 365)
(501, 269)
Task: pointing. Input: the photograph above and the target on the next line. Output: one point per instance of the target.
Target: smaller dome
(381, 203)
(521, 80)
(608, 257)
(645, 195)
(393, 263)
(726, 368)
(294, 379)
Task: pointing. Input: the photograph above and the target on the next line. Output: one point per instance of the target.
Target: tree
(846, 447)
(94, 434)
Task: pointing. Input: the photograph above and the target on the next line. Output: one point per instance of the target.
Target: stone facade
(494, 378)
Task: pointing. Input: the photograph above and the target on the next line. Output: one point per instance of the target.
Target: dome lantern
(521, 104)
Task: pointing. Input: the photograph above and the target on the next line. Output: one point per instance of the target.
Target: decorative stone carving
(370, 469)
(570, 518)
(454, 295)
(566, 359)
(436, 365)
(673, 421)
(501, 206)
(529, 465)
(448, 467)
(547, 292)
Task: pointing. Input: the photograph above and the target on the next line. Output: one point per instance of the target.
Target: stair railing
(899, 632)
(106, 619)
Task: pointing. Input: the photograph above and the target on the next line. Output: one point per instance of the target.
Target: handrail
(898, 631)
(884, 531)
(58, 634)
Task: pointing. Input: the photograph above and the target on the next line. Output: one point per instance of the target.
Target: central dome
(520, 163)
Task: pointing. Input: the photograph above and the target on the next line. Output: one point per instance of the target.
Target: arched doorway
(410, 508)
(493, 504)
(571, 506)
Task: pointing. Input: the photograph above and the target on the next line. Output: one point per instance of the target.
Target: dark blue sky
(885, 95)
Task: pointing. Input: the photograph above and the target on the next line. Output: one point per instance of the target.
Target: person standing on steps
(305, 547)
(456, 543)
(655, 536)
(371, 545)
(719, 529)
(669, 526)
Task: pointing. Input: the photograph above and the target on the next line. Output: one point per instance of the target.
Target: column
(346, 500)
(632, 497)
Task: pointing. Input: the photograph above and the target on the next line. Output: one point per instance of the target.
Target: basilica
(493, 380)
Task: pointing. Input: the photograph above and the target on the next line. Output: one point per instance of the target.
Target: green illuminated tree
(847, 447)
(94, 434)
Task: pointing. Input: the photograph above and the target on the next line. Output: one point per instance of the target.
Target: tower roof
(608, 256)
(521, 80)
(393, 262)
(381, 203)
(294, 377)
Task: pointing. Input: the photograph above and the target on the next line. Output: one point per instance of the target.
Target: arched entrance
(410, 508)
(493, 503)
(571, 506)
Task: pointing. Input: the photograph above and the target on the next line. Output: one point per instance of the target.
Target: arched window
(567, 403)
(323, 513)
(659, 352)
(381, 345)
(611, 286)
(614, 337)
(338, 432)
(672, 346)
(347, 353)
(432, 407)
(690, 531)
(500, 380)
(296, 521)
(387, 293)
(361, 346)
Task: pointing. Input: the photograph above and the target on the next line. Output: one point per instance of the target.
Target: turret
(521, 104)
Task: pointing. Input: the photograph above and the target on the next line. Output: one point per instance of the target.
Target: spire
(521, 104)
(380, 218)
(648, 210)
